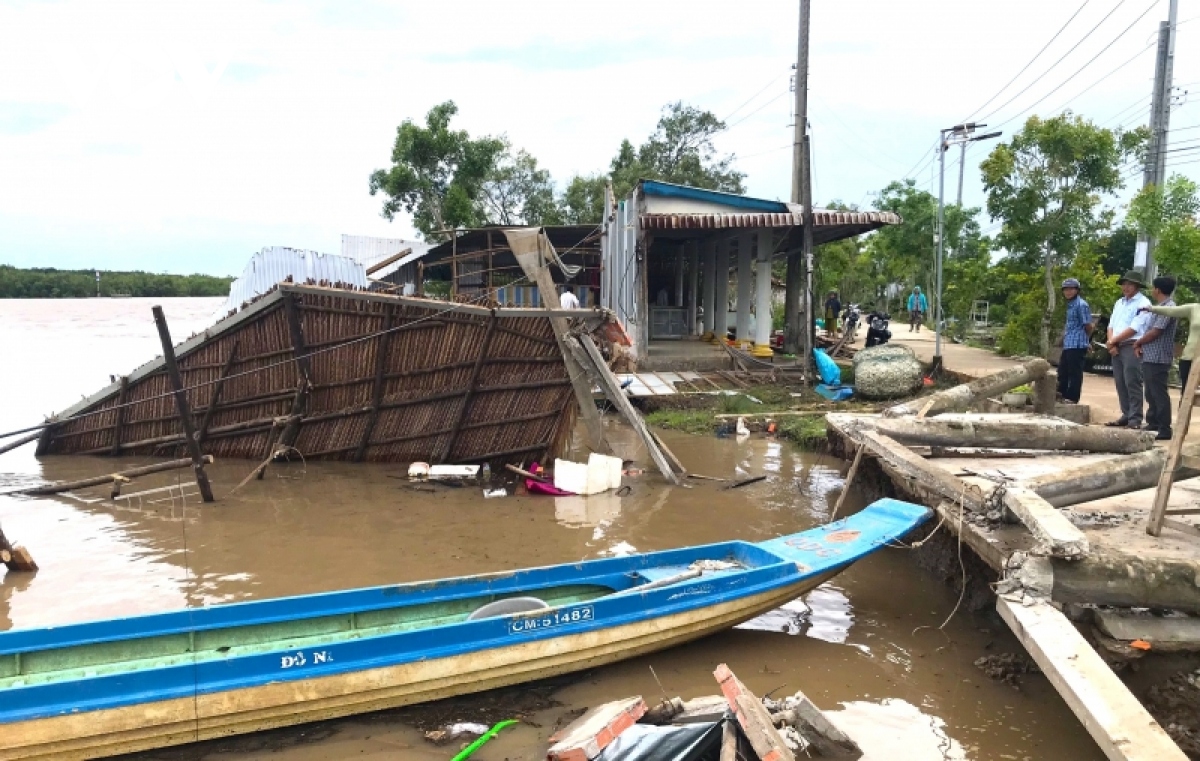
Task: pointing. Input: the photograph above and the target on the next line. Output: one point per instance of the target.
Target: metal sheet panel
(275, 264)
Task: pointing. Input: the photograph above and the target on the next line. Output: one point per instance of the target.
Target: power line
(1106, 76)
(865, 144)
(752, 113)
(1031, 60)
(1056, 63)
(1081, 68)
(752, 97)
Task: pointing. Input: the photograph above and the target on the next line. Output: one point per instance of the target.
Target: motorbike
(877, 329)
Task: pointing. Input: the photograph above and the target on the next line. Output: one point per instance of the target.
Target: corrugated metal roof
(368, 251)
(275, 264)
(821, 218)
(671, 190)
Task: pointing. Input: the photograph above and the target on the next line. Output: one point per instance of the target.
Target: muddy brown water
(866, 643)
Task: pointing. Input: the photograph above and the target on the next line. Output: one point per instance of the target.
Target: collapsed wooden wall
(459, 386)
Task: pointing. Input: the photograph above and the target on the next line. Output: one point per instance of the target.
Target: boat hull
(209, 716)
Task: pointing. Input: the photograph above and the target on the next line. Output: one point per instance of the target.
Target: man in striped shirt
(1076, 336)
(1156, 348)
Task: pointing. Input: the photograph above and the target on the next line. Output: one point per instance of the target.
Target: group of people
(1141, 341)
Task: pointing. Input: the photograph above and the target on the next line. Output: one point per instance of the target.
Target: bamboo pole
(84, 483)
(381, 357)
(181, 403)
(122, 396)
(20, 442)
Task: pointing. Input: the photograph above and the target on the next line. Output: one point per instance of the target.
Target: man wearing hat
(1076, 336)
(1125, 328)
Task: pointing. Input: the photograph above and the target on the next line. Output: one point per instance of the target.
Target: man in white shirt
(1125, 327)
(568, 300)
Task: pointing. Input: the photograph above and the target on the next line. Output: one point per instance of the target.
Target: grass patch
(805, 431)
(688, 421)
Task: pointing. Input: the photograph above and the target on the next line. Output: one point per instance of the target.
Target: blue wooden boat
(107, 687)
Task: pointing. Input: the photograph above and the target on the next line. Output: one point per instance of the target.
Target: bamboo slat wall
(461, 386)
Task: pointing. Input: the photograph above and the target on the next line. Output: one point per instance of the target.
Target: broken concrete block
(584, 738)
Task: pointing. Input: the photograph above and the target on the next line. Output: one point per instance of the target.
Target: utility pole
(962, 163)
(1160, 124)
(798, 294)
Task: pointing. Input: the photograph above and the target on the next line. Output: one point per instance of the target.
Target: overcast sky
(183, 137)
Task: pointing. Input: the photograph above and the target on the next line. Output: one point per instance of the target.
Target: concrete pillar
(762, 296)
(680, 258)
(693, 262)
(745, 281)
(721, 291)
(710, 282)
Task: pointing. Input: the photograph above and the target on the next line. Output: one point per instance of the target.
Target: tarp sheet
(687, 742)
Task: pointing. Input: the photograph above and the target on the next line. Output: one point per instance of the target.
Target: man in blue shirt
(1076, 337)
(917, 307)
(1125, 327)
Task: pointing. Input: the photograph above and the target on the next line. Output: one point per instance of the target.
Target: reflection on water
(327, 526)
(895, 730)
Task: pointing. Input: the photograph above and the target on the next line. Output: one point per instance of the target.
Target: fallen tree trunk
(1016, 433)
(15, 558)
(962, 397)
(1106, 478)
(145, 470)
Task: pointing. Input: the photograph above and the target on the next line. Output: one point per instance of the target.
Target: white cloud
(183, 136)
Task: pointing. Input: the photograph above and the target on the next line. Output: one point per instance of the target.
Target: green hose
(469, 751)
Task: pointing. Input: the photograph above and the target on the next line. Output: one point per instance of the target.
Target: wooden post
(484, 345)
(181, 404)
(381, 357)
(841, 500)
(291, 307)
(15, 558)
(46, 438)
(216, 394)
(122, 395)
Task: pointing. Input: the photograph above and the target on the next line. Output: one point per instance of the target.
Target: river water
(867, 643)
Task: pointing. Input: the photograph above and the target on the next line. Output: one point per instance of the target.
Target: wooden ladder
(1176, 459)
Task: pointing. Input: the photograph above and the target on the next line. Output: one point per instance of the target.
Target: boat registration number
(550, 620)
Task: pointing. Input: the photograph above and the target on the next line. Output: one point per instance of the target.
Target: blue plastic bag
(830, 373)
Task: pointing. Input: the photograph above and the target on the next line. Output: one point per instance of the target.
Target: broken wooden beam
(807, 719)
(1014, 433)
(181, 404)
(526, 246)
(84, 483)
(15, 558)
(961, 397)
(756, 723)
(1120, 725)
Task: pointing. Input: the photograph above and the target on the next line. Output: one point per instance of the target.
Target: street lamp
(959, 134)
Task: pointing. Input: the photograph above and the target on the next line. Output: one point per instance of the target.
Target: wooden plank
(83, 483)
(216, 396)
(393, 258)
(181, 404)
(472, 385)
(122, 396)
(612, 390)
(535, 269)
(841, 500)
(753, 717)
(383, 343)
(1120, 725)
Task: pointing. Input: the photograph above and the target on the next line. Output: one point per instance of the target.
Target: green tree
(518, 192)
(905, 254)
(437, 173)
(680, 150)
(1046, 185)
(1168, 213)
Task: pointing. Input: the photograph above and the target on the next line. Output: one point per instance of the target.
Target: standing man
(833, 313)
(1076, 338)
(917, 307)
(1157, 351)
(1125, 327)
(568, 300)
